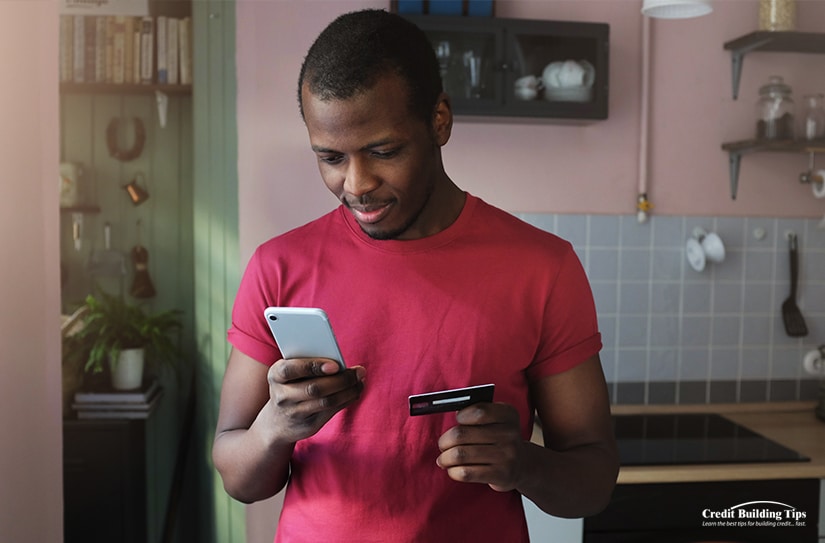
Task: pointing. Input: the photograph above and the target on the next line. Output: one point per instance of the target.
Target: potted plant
(119, 333)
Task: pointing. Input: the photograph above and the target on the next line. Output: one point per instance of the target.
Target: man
(427, 288)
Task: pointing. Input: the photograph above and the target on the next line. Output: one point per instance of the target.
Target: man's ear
(442, 119)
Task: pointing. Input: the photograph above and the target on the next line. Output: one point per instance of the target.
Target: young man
(427, 288)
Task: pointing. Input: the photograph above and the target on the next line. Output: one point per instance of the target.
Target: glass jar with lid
(814, 123)
(775, 111)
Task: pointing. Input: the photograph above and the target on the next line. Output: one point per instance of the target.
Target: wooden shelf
(781, 146)
(113, 88)
(85, 208)
(736, 149)
(767, 41)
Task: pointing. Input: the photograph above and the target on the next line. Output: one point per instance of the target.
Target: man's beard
(384, 235)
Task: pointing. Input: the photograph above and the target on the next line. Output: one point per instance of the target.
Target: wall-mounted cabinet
(483, 57)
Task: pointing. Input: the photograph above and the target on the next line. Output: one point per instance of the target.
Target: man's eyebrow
(367, 147)
(319, 149)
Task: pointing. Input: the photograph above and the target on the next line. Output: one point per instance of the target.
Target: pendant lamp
(676, 9)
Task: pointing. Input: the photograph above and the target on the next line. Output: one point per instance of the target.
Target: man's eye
(385, 154)
(331, 159)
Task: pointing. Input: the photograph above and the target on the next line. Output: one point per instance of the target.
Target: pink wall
(540, 167)
(31, 498)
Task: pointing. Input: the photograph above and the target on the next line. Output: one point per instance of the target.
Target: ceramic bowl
(568, 94)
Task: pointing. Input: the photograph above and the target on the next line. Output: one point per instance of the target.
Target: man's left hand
(485, 447)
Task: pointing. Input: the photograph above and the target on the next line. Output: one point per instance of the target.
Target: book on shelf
(118, 411)
(119, 50)
(125, 49)
(113, 414)
(136, 45)
(161, 30)
(95, 396)
(89, 43)
(128, 49)
(100, 52)
(66, 48)
(147, 50)
(120, 406)
(79, 49)
(185, 50)
(172, 51)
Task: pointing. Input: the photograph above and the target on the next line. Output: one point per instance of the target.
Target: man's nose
(360, 179)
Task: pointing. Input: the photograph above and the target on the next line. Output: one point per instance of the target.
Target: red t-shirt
(490, 299)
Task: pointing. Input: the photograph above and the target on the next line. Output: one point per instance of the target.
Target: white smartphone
(303, 332)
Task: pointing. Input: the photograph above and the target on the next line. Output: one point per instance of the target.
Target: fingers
(319, 381)
(284, 371)
(485, 447)
(306, 393)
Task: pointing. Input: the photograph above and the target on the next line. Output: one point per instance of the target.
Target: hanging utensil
(791, 315)
(142, 286)
(77, 230)
(107, 263)
(137, 193)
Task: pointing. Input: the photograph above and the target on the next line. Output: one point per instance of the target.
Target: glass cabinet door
(566, 60)
(470, 58)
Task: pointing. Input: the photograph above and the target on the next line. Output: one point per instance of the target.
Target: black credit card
(449, 400)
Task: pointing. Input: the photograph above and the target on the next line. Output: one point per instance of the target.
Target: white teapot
(568, 74)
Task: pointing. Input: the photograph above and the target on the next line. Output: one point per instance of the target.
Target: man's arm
(264, 411)
(252, 465)
(573, 475)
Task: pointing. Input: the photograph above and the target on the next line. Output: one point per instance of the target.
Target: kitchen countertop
(792, 424)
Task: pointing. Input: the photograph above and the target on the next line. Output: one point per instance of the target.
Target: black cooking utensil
(142, 286)
(791, 315)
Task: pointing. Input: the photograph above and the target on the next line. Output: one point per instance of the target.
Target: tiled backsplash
(675, 335)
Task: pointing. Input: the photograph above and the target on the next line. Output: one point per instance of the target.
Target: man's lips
(370, 214)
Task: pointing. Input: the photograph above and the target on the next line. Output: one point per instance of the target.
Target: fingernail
(361, 373)
(330, 367)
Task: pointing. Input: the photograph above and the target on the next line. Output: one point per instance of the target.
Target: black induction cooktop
(692, 438)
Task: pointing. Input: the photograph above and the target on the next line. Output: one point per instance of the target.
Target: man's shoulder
(323, 226)
(506, 225)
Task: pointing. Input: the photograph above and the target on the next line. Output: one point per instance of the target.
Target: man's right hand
(305, 393)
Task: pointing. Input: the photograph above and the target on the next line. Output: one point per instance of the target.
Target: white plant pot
(127, 371)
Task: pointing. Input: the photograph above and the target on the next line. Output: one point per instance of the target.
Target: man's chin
(380, 234)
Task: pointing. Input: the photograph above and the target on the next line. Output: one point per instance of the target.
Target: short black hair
(357, 48)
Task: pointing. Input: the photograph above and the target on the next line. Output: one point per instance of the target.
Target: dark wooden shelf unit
(113, 88)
